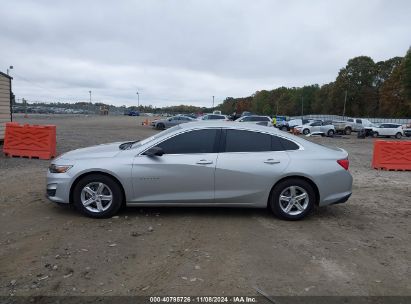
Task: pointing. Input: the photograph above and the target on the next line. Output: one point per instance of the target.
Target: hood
(100, 151)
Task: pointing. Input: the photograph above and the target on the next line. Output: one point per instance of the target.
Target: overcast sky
(186, 51)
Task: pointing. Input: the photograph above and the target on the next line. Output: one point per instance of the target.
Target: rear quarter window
(288, 144)
(282, 144)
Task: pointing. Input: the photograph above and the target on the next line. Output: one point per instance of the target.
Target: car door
(315, 127)
(392, 130)
(383, 130)
(358, 124)
(247, 167)
(185, 173)
(325, 127)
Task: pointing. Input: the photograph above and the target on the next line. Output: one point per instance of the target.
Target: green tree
(358, 79)
(407, 74)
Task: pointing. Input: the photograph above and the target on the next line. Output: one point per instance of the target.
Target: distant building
(5, 102)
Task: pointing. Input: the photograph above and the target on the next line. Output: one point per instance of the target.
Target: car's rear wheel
(306, 131)
(347, 131)
(97, 196)
(160, 126)
(284, 128)
(292, 199)
(330, 133)
(398, 135)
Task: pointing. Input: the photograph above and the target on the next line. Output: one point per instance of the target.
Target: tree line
(362, 88)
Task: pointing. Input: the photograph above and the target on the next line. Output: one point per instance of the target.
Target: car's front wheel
(98, 196)
(284, 128)
(330, 133)
(306, 131)
(398, 135)
(375, 134)
(292, 199)
(160, 126)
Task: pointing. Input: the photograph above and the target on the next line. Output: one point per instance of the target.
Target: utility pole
(302, 107)
(345, 102)
(10, 68)
(138, 100)
(89, 107)
(276, 114)
(213, 102)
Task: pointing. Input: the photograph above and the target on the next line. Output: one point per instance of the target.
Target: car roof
(231, 125)
(243, 126)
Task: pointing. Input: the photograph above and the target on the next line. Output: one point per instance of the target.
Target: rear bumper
(342, 199)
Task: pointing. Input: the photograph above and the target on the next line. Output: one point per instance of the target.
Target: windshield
(158, 135)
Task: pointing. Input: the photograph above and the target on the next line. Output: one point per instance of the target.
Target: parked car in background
(246, 113)
(387, 129)
(261, 120)
(327, 128)
(132, 113)
(343, 127)
(407, 130)
(162, 124)
(193, 116)
(288, 125)
(257, 167)
(217, 112)
(213, 117)
(359, 123)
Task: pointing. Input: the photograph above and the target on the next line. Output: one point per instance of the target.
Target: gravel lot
(359, 248)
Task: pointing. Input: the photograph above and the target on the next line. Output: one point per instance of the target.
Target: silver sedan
(170, 122)
(203, 164)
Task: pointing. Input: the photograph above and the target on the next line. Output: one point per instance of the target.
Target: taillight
(345, 163)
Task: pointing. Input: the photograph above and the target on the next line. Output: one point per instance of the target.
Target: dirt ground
(362, 247)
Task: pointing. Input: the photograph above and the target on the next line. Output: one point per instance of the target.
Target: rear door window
(246, 141)
(249, 141)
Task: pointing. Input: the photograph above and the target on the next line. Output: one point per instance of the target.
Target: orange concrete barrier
(392, 155)
(32, 141)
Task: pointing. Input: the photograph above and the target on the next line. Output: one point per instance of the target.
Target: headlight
(59, 168)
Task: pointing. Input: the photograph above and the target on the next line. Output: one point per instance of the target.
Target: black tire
(284, 128)
(160, 126)
(347, 131)
(398, 135)
(375, 134)
(114, 187)
(306, 131)
(330, 133)
(274, 201)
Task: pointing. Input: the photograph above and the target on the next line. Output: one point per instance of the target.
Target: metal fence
(338, 117)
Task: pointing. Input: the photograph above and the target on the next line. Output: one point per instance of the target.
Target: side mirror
(154, 151)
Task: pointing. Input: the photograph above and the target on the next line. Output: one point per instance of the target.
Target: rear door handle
(272, 161)
(204, 162)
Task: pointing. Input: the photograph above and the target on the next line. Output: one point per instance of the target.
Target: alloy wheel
(96, 197)
(294, 200)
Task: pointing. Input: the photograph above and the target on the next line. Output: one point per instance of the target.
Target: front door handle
(272, 161)
(204, 162)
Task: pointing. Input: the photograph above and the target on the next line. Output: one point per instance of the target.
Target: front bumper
(58, 187)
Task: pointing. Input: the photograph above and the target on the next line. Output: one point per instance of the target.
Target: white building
(5, 102)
